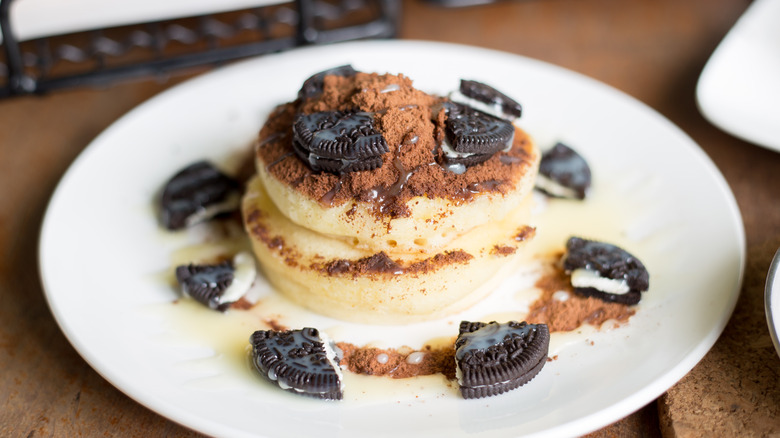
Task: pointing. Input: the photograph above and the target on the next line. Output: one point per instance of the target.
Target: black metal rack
(103, 56)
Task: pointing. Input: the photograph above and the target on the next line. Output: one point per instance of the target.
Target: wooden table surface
(652, 50)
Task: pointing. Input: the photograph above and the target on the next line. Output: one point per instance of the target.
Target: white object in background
(32, 19)
(739, 88)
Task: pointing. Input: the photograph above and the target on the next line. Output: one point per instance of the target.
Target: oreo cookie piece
(300, 361)
(198, 193)
(472, 136)
(338, 141)
(312, 87)
(487, 99)
(493, 358)
(605, 271)
(218, 285)
(563, 173)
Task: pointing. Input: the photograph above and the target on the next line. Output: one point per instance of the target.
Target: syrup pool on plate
(221, 339)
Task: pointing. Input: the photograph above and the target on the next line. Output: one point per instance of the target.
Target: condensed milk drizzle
(469, 191)
(489, 335)
(390, 88)
(328, 197)
(509, 159)
(300, 180)
(271, 138)
(456, 168)
(278, 160)
(384, 197)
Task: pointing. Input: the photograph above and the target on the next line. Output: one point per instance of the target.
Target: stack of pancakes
(371, 203)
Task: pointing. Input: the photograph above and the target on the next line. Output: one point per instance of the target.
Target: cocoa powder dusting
(503, 250)
(399, 363)
(380, 263)
(563, 315)
(258, 229)
(241, 304)
(276, 325)
(524, 233)
(412, 123)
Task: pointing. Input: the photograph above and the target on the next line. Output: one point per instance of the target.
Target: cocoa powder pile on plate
(563, 310)
(399, 363)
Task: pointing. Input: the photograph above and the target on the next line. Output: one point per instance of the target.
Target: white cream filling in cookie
(587, 278)
(203, 214)
(244, 275)
(450, 152)
(333, 359)
(332, 356)
(554, 188)
(495, 109)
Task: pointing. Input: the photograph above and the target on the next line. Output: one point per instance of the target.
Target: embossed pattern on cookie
(338, 141)
(473, 136)
(493, 358)
(299, 361)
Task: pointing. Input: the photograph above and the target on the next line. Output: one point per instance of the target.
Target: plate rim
(772, 300)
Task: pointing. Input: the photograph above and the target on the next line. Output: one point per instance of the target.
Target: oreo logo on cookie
(300, 361)
(338, 141)
(493, 358)
(563, 173)
(312, 87)
(605, 271)
(472, 136)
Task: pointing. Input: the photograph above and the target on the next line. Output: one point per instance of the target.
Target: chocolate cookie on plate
(605, 271)
(301, 361)
(493, 358)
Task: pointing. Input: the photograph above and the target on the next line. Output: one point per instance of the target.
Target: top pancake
(414, 201)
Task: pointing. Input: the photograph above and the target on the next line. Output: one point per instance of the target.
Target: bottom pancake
(329, 276)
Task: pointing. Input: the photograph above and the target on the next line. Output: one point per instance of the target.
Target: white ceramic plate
(772, 300)
(102, 252)
(739, 88)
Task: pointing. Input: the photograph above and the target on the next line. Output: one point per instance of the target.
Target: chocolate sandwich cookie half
(605, 271)
(312, 87)
(493, 358)
(300, 361)
(198, 193)
(563, 173)
(487, 99)
(472, 136)
(218, 285)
